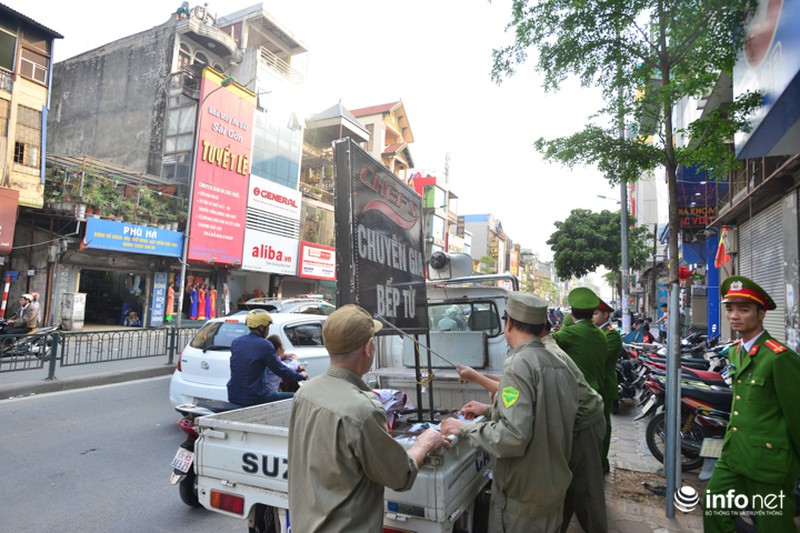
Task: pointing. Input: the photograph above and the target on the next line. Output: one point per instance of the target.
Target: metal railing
(73, 348)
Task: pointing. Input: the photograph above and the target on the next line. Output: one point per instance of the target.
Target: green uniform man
(583, 341)
(601, 319)
(760, 459)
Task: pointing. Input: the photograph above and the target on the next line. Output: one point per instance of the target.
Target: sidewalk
(30, 382)
(631, 507)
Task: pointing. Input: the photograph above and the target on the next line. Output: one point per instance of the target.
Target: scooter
(36, 343)
(183, 473)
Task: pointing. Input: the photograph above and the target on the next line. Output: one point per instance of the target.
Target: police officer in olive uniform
(760, 458)
(583, 341)
(601, 319)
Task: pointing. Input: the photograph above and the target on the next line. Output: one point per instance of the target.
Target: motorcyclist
(251, 354)
(25, 319)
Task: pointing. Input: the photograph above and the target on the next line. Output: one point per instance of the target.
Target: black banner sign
(380, 263)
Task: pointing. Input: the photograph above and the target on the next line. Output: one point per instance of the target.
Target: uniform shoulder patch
(775, 346)
(510, 396)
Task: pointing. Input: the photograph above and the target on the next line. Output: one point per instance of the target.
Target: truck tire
(656, 429)
(265, 521)
(188, 489)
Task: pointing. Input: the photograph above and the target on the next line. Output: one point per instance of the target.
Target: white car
(204, 365)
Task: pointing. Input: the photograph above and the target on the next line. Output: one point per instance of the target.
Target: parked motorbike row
(705, 396)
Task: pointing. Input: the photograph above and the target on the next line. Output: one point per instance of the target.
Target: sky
(435, 56)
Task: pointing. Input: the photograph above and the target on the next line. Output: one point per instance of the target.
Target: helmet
(258, 317)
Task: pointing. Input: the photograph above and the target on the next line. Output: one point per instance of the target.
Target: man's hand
(450, 426)
(473, 409)
(467, 373)
(303, 373)
(428, 441)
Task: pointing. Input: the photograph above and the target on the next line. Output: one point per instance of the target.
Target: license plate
(648, 405)
(183, 460)
(712, 447)
(642, 370)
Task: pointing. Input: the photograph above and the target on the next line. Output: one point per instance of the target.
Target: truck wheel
(265, 520)
(188, 489)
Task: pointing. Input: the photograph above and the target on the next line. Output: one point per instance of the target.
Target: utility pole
(623, 226)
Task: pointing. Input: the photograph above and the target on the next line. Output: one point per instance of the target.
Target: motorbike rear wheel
(188, 489)
(690, 445)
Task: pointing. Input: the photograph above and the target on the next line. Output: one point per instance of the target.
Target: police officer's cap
(739, 289)
(602, 306)
(527, 308)
(583, 299)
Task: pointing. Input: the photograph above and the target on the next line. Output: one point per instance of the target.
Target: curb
(30, 388)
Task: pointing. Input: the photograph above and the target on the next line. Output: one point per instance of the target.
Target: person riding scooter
(24, 321)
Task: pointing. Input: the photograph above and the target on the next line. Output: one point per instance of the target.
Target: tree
(646, 56)
(587, 240)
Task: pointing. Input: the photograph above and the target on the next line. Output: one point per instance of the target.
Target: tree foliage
(645, 56)
(587, 240)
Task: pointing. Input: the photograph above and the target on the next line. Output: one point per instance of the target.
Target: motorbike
(705, 410)
(36, 343)
(183, 473)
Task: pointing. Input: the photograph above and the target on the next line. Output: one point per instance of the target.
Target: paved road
(96, 459)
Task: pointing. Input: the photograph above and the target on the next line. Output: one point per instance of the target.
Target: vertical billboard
(380, 264)
(272, 227)
(9, 202)
(222, 170)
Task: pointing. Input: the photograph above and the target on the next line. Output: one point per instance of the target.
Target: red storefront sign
(222, 171)
(9, 201)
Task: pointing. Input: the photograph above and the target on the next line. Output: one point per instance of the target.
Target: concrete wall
(110, 102)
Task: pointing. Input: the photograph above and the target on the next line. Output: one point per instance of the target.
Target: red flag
(722, 257)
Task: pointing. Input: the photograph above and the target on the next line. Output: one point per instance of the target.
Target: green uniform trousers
(607, 405)
(504, 521)
(721, 520)
(586, 493)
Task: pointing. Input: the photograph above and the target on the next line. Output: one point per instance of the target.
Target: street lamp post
(185, 252)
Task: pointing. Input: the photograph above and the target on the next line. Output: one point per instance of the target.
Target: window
(305, 334)
(184, 56)
(28, 141)
(5, 110)
(473, 316)
(33, 66)
(8, 45)
(218, 335)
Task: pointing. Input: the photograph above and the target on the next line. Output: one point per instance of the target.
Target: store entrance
(113, 298)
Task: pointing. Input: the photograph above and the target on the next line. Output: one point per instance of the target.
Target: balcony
(201, 28)
(280, 66)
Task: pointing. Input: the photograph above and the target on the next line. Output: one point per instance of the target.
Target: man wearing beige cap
(25, 318)
(529, 427)
(341, 455)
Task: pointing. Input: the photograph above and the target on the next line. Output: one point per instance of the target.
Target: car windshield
(218, 334)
